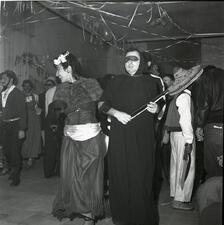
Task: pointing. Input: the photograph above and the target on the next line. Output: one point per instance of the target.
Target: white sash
(82, 132)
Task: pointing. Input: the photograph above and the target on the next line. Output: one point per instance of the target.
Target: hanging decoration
(163, 18)
(30, 66)
(31, 60)
(99, 23)
(3, 9)
(22, 6)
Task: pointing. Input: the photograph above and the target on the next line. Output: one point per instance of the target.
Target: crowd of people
(108, 135)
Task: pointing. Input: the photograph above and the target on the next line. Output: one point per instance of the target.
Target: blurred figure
(209, 118)
(209, 192)
(210, 201)
(32, 144)
(14, 117)
(153, 70)
(48, 83)
(105, 125)
(212, 214)
(2, 155)
(168, 80)
(53, 129)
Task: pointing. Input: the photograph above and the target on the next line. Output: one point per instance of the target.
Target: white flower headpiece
(61, 59)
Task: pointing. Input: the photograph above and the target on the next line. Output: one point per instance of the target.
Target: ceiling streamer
(100, 21)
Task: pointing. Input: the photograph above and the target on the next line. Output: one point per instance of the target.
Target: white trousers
(176, 169)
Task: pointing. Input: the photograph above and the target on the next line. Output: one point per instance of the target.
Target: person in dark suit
(14, 122)
(48, 83)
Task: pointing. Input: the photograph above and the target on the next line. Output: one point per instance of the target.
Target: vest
(173, 116)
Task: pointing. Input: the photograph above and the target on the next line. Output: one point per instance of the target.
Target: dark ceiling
(124, 21)
(172, 30)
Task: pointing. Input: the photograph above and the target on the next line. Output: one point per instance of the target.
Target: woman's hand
(122, 116)
(152, 107)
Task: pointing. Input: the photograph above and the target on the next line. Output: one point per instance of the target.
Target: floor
(30, 203)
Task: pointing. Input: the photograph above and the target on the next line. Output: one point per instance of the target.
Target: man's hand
(199, 134)
(187, 150)
(21, 134)
(122, 116)
(152, 107)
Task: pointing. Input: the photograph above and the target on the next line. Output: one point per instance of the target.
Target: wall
(212, 52)
(2, 46)
(15, 44)
(37, 46)
(64, 36)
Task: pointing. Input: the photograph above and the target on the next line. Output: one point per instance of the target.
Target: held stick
(176, 88)
(144, 107)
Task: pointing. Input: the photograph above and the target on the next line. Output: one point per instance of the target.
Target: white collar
(5, 94)
(8, 90)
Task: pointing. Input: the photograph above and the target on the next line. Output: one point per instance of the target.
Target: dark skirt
(81, 177)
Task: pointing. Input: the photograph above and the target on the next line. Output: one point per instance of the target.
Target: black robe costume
(131, 151)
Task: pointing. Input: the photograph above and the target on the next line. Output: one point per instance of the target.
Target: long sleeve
(183, 103)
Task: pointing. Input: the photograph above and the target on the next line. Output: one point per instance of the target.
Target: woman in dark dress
(80, 192)
(132, 143)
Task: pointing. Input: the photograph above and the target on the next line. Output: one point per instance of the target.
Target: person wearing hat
(14, 117)
(179, 123)
(168, 80)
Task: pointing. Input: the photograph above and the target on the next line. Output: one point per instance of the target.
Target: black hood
(142, 66)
